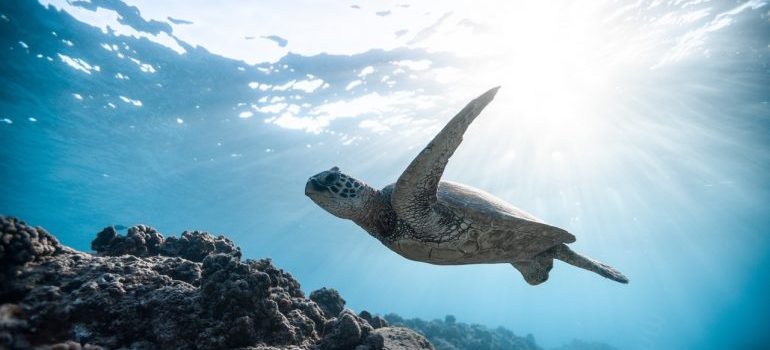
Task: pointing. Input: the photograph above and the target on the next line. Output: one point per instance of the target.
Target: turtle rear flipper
(567, 255)
(536, 271)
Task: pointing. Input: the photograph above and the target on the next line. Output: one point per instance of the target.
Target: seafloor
(144, 291)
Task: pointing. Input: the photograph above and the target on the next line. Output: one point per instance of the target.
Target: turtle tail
(567, 255)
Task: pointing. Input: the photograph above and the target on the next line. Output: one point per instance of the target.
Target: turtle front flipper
(415, 190)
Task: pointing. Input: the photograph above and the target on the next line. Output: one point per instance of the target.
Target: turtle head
(338, 193)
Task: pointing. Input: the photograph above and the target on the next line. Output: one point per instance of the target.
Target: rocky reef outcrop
(577, 344)
(141, 240)
(143, 291)
(448, 334)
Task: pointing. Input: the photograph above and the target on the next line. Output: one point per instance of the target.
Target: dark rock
(448, 334)
(345, 332)
(329, 300)
(196, 245)
(21, 243)
(395, 338)
(13, 323)
(180, 269)
(145, 292)
(375, 321)
(278, 277)
(140, 240)
(134, 296)
(103, 240)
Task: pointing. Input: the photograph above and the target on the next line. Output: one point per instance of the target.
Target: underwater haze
(641, 127)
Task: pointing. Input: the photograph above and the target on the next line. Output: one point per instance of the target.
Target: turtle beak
(313, 186)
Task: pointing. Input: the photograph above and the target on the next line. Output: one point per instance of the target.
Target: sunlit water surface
(643, 128)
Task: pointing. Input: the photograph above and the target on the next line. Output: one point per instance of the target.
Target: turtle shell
(498, 230)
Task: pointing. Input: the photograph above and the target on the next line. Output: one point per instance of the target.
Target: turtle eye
(330, 179)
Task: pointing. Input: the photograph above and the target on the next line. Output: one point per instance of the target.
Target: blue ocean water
(650, 142)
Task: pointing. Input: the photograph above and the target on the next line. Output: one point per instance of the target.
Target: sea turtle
(440, 222)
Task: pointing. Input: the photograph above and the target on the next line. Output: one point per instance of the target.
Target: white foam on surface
(78, 64)
(131, 101)
(308, 86)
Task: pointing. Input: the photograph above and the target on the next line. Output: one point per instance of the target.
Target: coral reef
(144, 291)
(143, 240)
(141, 291)
(20, 243)
(577, 344)
(394, 338)
(448, 334)
(329, 300)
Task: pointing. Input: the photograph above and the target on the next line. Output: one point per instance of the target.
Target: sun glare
(555, 80)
